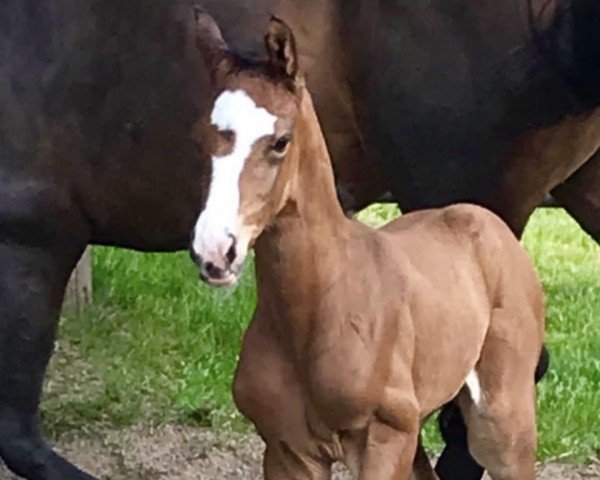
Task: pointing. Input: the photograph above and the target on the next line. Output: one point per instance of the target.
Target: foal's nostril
(213, 271)
(231, 252)
(210, 268)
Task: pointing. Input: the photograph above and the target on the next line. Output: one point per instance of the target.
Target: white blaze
(237, 112)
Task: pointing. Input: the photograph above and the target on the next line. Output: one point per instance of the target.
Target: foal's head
(248, 135)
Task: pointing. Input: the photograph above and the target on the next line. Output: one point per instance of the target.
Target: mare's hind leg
(32, 282)
(498, 400)
(580, 195)
(456, 462)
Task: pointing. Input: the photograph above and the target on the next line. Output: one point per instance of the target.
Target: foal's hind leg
(32, 281)
(498, 400)
(456, 462)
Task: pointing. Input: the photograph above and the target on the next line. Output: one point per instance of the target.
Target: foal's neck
(313, 194)
(301, 253)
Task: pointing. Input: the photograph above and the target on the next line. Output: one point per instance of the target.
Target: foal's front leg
(281, 463)
(389, 452)
(422, 469)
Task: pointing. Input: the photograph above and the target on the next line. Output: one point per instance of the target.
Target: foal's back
(439, 243)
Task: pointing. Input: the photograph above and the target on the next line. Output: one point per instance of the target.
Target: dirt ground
(174, 452)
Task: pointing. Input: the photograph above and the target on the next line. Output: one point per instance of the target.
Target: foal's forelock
(236, 112)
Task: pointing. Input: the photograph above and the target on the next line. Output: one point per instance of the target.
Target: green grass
(158, 346)
(569, 265)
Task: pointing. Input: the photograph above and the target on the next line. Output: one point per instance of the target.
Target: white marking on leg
(472, 382)
(235, 111)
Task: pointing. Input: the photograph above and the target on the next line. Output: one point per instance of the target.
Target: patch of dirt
(175, 452)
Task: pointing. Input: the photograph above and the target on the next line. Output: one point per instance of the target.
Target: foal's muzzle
(217, 269)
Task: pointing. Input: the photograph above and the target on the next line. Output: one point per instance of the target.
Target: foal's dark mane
(256, 66)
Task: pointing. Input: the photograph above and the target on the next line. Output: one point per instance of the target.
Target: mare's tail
(543, 364)
(570, 42)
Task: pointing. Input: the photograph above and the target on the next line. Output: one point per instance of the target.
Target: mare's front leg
(32, 282)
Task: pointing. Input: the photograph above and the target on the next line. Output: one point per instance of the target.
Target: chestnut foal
(359, 334)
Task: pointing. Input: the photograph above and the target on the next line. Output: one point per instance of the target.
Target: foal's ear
(210, 43)
(281, 49)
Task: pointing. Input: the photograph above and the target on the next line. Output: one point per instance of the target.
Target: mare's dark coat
(98, 98)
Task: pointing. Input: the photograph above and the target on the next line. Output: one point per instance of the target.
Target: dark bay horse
(493, 102)
(336, 365)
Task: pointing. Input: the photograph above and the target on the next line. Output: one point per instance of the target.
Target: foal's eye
(280, 146)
